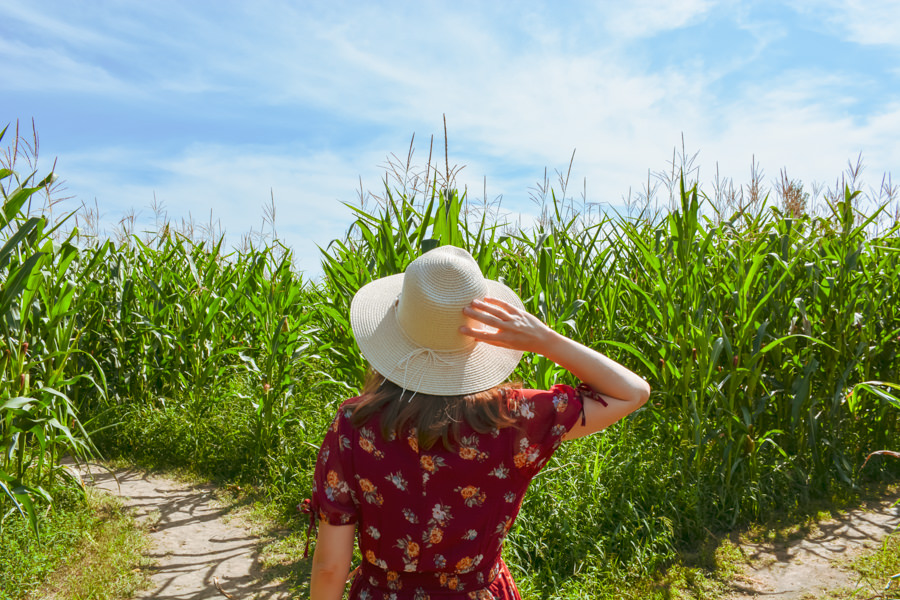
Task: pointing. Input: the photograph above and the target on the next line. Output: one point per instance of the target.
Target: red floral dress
(431, 523)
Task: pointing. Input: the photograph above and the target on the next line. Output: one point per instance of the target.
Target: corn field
(770, 340)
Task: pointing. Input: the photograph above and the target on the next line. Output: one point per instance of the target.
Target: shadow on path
(808, 567)
(193, 541)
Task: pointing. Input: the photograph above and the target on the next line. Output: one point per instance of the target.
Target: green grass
(880, 570)
(87, 550)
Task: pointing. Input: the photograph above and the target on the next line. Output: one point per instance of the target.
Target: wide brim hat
(407, 326)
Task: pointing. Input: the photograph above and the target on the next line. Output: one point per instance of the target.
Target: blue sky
(213, 106)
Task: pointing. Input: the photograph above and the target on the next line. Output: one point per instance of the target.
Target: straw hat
(407, 326)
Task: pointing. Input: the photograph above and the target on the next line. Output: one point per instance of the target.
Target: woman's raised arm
(624, 390)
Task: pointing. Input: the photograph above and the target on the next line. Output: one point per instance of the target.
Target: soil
(817, 564)
(198, 544)
(201, 550)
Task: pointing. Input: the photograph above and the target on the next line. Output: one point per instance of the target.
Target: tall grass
(39, 330)
(763, 332)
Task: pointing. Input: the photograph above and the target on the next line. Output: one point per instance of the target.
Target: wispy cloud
(47, 70)
(644, 18)
(235, 184)
(211, 111)
(860, 21)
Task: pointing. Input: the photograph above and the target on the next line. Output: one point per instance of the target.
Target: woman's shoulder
(343, 414)
(542, 408)
(349, 403)
(559, 394)
(559, 388)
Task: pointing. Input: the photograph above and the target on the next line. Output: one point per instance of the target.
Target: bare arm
(331, 561)
(623, 389)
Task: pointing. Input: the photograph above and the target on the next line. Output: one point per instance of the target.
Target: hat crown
(436, 288)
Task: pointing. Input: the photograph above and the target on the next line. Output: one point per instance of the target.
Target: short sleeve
(543, 418)
(333, 498)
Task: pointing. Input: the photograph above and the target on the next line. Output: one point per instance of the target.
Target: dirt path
(193, 539)
(809, 567)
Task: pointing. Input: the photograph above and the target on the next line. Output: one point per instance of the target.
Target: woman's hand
(515, 328)
(519, 330)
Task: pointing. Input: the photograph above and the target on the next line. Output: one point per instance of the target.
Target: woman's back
(432, 521)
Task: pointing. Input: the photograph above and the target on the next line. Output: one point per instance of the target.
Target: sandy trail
(816, 564)
(193, 540)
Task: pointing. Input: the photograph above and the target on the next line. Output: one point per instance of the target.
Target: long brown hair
(431, 417)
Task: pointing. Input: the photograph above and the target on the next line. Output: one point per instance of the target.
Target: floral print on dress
(370, 492)
(503, 528)
(500, 472)
(430, 464)
(440, 514)
(367, 442)
(378, 562)
(527, 455)
(393, 580)
(410, 516)
(433, 535)
(398, 480)
(468, 449)
(451, 582)
(525, 409)
(466, 564)
(440, 518)
(472, 495)
(334, 485)
(561, 402)
(410, 553)
(444, 539)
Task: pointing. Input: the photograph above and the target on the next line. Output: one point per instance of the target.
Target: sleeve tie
(307, 508)
(589, 392)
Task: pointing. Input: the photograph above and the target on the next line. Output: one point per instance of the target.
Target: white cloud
(29, 19)
(798, 125)
(859, 21)
(234, 184)
(645, 18)
(48, 70)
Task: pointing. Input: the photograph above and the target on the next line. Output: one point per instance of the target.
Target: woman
(429, 465)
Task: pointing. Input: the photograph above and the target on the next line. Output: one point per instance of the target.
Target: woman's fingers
(494, 317)
(509, 308)
(510, 326)
(498, 311)
(489, 337)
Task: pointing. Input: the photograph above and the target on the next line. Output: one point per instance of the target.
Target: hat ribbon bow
(431, 358)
